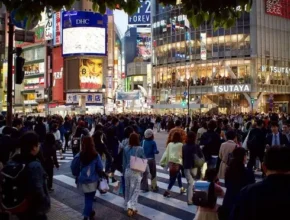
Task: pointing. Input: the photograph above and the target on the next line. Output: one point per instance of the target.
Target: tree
(223, 13)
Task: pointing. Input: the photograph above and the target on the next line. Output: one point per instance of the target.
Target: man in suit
(270, 198)
(276, 138)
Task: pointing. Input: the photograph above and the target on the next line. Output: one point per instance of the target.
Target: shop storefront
(226, 70)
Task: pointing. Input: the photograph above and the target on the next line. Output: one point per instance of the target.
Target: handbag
(173, 168)
(138, 164)
(103, 186)
(198, 161)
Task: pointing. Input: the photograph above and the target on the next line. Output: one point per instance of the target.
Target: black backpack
(14, 185)
(76, 143)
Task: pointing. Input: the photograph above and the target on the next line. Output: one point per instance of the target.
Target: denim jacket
(131, 151)
(150, 149)
(37, 188)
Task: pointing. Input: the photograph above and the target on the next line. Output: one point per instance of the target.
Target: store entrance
(280, 106)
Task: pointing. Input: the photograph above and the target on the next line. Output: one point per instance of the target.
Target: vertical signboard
(57, 74)
(48, 24)
(143, 15)
(57, 33)
(203, 46)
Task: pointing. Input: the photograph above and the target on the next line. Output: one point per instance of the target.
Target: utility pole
(10, 72)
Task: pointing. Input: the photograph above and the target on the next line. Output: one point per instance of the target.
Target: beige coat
(226, 148)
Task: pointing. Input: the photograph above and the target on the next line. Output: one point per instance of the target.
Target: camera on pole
(19, 64)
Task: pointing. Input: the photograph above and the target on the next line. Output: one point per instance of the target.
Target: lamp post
(104, 97)
(188, 99)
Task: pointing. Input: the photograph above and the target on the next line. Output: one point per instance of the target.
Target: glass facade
(204, 57)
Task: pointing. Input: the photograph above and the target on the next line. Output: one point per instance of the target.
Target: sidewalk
(60, 211)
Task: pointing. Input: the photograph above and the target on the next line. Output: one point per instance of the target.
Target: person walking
(132, 177)
(172, 157)
(150, 149)
(90, 164)
(237, 176)
(49, 158)
(226, 152)
(189, 150)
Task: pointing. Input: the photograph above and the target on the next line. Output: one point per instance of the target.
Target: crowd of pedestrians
(212, 151)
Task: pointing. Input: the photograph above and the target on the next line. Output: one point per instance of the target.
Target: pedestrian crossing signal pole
(10, 74)
(252, 104)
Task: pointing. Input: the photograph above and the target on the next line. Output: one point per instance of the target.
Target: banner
(128, 95)
(48, 24)
(91, 73)
(203, 46)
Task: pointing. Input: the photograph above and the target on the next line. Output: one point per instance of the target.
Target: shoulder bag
(138, 164)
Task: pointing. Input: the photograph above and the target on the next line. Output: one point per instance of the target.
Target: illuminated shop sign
(96, 98)
(232, 88)
(143, 15)
(275, 69)
(279, 8)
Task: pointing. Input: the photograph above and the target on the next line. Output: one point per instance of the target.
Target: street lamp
(188, 99)
(104, 98)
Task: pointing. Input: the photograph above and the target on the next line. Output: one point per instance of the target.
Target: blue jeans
(172, 180)
(89, 200)
(212, 162)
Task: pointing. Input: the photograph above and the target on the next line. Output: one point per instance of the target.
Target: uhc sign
(143, 15)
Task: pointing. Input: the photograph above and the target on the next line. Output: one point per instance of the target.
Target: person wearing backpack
(24, 187)
(208, 211)
(87, 167)
(150, 149)
(226, 152)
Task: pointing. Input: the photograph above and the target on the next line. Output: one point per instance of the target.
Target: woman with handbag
(133, 168)
(172, 157)
(191, 161)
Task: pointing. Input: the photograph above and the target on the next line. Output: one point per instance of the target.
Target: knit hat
(148, 133)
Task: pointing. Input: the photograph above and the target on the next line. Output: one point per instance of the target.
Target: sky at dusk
(121, 20)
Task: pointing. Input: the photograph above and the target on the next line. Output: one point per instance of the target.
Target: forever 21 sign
(143, 15)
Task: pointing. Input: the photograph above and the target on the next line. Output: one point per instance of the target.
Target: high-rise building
(245, 67)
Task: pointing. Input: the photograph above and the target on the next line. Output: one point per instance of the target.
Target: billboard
(143, 45)
(143, 15)
(84, 33)
(91, 73)
(135, 95)
(279, 8)
(57, 75)
(57, 30)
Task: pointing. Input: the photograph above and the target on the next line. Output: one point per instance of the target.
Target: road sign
(185, 93)
(23, 23)
(25, 36)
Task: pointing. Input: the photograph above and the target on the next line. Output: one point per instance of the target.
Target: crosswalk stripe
(119, 201)
(63, 161)
(66, 157)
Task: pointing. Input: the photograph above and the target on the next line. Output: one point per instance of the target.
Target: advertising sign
(232, 88)
(48, 32)
(57, 74)
(203, 46)
(72, 98)
(57, 32)
(92, 98)
(91, 73)
(84, 33)
(135, 95)
(144, 44)
(279, 8)
(143, 15)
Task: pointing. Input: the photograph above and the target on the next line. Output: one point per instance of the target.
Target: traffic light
(183, 102)
(252, 100)
(19, 72)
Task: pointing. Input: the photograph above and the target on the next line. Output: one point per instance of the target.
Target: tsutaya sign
(232, 88)
(275, 69)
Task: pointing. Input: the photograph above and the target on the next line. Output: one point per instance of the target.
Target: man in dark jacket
(211, 143)
(40, 129)
(276, 138)
(270, 198)
(256, 144)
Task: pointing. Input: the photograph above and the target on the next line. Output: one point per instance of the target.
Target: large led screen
(84, 40)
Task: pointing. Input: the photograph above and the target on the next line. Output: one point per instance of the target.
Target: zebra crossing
(152, 205)
(68, 157)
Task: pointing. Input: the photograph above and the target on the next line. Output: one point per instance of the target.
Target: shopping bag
(138, 164)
